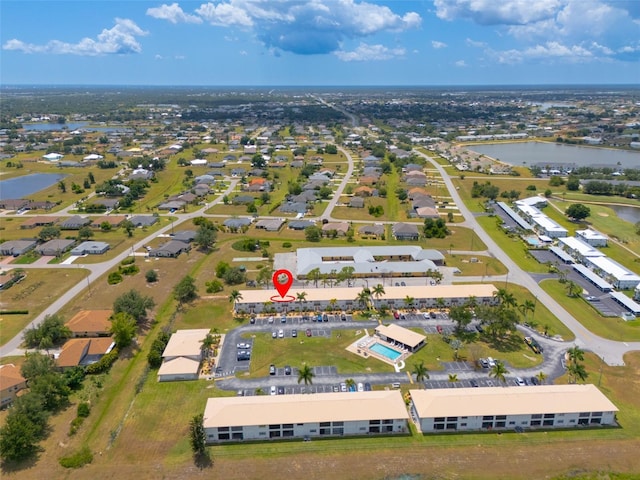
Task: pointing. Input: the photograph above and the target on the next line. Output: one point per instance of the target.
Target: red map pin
(282, 280)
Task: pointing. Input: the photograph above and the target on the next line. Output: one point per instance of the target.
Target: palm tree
(440, 302)
(350, 382)
(305, 374)
(363, 298)
(577, 372)
(208, 342)
(301, 297)
(378, 291)
(541, 377)
(576, 354)
(408, 301)
(235, 296)
(333, 303)
(453, 378)
(259, 391)
(420, 371)
(315, 275)
(498, 371)
(472, 302)
(527, 306)
(572, 288)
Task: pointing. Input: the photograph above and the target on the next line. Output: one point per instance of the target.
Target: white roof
(532, 201)
(627, 302)
(540, 399)
(185, 343)
(401, 334)
(581, 247)
(598, 281)
(614, 269)
(391, 293)
(548, 224)
(179, 366)
(591, 234)
(304, 408)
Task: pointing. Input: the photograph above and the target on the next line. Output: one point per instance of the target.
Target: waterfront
(53, 127)
(629, 214)
(22, 187)
(543, 153)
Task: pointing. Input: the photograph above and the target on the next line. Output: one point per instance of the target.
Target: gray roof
(13, 247)
(184, 236)
(143, 220)
(172, 247)
(364, 259)
(404, 229)
(371, 230)
(240, 199)
(75, 222)
(56, 245)
(300, 224)
(90, 246)
(294, 207)
(271, 224)
(237, 222)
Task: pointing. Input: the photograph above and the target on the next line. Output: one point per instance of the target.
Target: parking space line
(410, 377)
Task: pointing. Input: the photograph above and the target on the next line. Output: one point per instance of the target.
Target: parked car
(287, 370)
(294, 333)
(534, 381)
(272, 369)
(252, 320)
(520, 382)
(492, 362)
(474, 382)
(280, 390)
(283, 319)
(396, 315)
(273, 390)
(360, 387)
(336, 388)
(343, 317)
(426, 315)
(439, 328)
(343, 387)
(308, 332)
(280, 333)
(325, 318)
(402, 284)
(484, 363)
(270, 320)
(274, 334)
(243, 346)
(367, 387)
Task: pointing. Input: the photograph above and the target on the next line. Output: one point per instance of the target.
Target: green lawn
(613, 328)
(483, 266)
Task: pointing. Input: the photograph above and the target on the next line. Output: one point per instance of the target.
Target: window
(583, 421)
(572, 421)
(596, 414)
(325, 431)
(536, 416)
(373, 429)
(452, 419)
(438, 426)
(500, 424)
(338, 424)
(501, 417)
(596, 420)
(313, 431)
(338, 431)
(387, 422)
(487, 424)
(547, 423)
(287, 425)
(274, 434)
(274, 427)
(325, 424)
(524, 423)
(299, 424)
(287, 433)
(452, 426)
(441, 419)
(560, 422)
(236, 429)
(463, 424)
(374, 422)
(223, 436)
(584, 414)
(237, 436)
(535, 423)
(512, 423)
(549, 415)
(223, 429)
(487, 417)
(262, 434)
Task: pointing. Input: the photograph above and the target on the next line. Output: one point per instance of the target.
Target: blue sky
(320, 42)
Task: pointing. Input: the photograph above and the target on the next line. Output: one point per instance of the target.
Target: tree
(85, 233)
(363, 298)
(575, 354)
(346, 274)
(185, 290)
(378, 291)
(264, 276)
(234, 297)
(528, 306)
(578, 211)
(573, 288)
(461, 315)
(315, 275)
(301, 298)
(62, 186)
(52, 388)
(305, 374)
(498, 371)
(135, 304)
(541, 376)
(420, 371)
(36, 365)
(49, 233)
(197, 436)
(151, 276)
(123, 329)
(128, 227)
(52, 331)
(208, 343)
(453, 378)
(313, 234)
(18, 438)
(350, 383)
(577, 372)
(205, 237)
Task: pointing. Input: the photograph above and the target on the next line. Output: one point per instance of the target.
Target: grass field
(483, 266)
(613, 328)
(34, 293)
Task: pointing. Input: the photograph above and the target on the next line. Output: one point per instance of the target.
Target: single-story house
(372, 230)
(53, 157)
(341, 227)
(75, 223)
(172, 248)
(182, 355)
(17, 247)
(44, 221)
(427, 212)
(541, 406)
(90, 323)
(243, 199)
(186, 236)
(321, 415)
(55, 247)
(300, 224)
(236, 223)
(113, 220)
(405, 231)
(14, 203)
(308, 196)
(270, 224)
(84, 351)
(91, 248)
(108, 203)
(356, 202)
(293, 207)
(143, 220)
(11, 382)
(206, 179)
(364, 191)
(172, 205)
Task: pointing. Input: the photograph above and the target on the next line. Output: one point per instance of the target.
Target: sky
(320, 42)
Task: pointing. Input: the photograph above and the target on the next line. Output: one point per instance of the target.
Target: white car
(280, 333)
(492, 362)
(361, 387)
(274, 390)
(520, 382)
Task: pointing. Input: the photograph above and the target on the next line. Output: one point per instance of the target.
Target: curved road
(610, 351)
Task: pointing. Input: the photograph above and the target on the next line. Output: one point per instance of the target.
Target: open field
(484, 265)
(34, 293)
(613, 328)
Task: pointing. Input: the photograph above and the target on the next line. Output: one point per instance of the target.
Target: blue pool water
(390, 353)
(533, 241)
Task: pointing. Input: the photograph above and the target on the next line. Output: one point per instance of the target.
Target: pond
(542, 154)
(22, 187)
(629, 214)
(50, 127)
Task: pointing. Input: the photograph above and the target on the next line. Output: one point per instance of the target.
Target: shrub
(129, 270)
(286, 245)
(214, 286)
(104, 364)
(114, 278)
(84, 408)
(79, 459)
(151, 276)
(75, 425)
(128, 261)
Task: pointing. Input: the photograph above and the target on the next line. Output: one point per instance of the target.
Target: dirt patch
(602, 214)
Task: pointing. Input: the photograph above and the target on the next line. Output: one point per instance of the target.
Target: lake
(22, 187)
(541, 153)
(50, 127)
(629, 214)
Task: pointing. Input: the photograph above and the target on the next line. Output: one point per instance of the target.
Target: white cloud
(121, 39)
(547, 52)
(438, 45)
(494, 12)
(460, 63)
(173, 13)
(473, 43)
(365, 52)
(225, 15)
(301, 27)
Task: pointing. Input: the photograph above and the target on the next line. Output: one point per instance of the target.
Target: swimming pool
(383, 350)
(533, 241)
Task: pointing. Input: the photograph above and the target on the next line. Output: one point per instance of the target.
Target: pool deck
(361, 347)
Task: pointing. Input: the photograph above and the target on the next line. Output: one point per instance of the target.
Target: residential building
(144, 220)
(592, 237)
(344, 298)
(172, 248)
(84, 351)
(16, 248)
(11, 382)
(301, 416)
(90, 323)
(90, 248)
(401, 337)
(182, 355)
(405, 231)
(75, 223)
(55, 247)
(270, 224)
(541, 406)
(611, 271)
